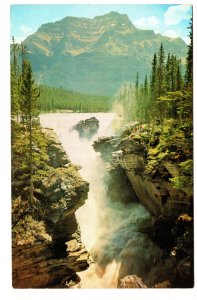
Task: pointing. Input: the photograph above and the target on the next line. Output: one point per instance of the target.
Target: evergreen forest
(56, 99)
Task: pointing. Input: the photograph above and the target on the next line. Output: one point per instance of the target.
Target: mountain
(95, 55)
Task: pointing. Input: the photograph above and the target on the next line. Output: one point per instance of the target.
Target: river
(108, 230)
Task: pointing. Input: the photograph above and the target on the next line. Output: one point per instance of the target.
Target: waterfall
(110, 230)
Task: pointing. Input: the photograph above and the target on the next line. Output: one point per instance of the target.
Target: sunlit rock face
(87, 128)
(53, 259)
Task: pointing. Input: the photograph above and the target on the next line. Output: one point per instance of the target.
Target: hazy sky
(169, 20)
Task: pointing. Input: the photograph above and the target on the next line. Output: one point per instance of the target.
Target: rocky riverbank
(139, 170)
(47, 248)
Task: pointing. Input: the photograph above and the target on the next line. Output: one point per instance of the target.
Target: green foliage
(187, 167)
(160, 73)
(162, 98)
(173, 76)
(180, 182)
(15, 81)
(29, 94)
(153, 151)
(151, 166)
(189, 60)
(28, 230)
(54, 99)
(19, 207)
(20, 159)
(163, 155)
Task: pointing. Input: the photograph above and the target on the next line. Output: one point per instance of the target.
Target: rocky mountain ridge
(96, 55)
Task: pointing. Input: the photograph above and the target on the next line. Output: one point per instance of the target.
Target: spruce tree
(178, 78)
(14, 79)
(29, 94)
(146, 100)
(160, 72)
(153, 80)
(189, 60)
(137, 98)
(167, 73)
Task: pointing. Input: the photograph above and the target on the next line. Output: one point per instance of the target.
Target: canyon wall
(171, 208)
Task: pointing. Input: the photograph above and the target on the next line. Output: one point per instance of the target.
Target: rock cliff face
(51, 259)
(158, 195)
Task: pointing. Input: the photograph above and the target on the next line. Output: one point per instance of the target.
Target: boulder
(87, 128)
(131, 282)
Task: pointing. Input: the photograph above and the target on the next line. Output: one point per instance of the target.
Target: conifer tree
(168, 73)
(160, 72)
(189, 60)
(137, 98)
(153, 80)
(146, 100)
(29, 94)
(15, 90)
(179, 81)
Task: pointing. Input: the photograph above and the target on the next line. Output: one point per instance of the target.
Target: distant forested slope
(53, 99)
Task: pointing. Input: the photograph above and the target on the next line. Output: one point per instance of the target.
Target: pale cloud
(19, 39)
(176, 14)
(24, 29)
(187, 40)
(173, 34)
(170, 33)
(146, 22)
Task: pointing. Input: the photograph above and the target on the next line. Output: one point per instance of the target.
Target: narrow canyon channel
(109, 230)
